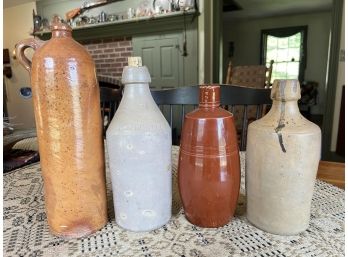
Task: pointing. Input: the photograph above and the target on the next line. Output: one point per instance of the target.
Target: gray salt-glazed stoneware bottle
(282, 157)
(139, 148)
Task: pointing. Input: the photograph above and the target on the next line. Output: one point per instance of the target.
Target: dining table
(26, 231)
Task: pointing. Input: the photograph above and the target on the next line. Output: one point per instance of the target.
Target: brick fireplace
(111, 43)
(110, 56)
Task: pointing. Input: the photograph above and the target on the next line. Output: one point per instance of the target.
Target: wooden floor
(332, 172)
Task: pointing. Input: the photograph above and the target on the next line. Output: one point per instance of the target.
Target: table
(332, 172)
(26, 230)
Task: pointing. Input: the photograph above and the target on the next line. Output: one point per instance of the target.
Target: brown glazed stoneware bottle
(69, 130)
(209, 167)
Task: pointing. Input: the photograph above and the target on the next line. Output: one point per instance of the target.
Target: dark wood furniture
(332, 173)
(109, 81)
(10, 140)
(231, 96)
(110, 99)
(7, 71)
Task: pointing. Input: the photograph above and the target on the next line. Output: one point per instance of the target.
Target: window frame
(287, 32)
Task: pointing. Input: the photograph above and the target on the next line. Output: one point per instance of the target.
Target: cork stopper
(134, 61)
(209, 96)
(135, 73)
(286, 90)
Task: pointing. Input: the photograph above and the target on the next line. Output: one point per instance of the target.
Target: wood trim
(217, 42)
(332, 172)
(229, 72)
(332, 78)
(340, 147)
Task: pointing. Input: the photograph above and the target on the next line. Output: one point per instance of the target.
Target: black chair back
(231, 96)
(110, 99)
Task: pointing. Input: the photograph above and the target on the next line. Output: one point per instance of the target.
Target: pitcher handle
(24, 44)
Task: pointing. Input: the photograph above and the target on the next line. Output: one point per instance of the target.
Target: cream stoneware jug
(282, 157)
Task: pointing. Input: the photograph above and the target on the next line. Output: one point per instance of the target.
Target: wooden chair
(231, 96)
(255, 76)
(269, 71)
(110, 99)
(258, 76)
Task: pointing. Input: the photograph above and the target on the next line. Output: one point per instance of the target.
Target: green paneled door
(162, 56)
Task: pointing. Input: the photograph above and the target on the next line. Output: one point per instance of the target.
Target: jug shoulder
(291, 125)
(209, 113)
(65, 48)
(128, 124)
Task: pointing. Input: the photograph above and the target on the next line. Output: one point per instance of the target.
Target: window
(286, 47)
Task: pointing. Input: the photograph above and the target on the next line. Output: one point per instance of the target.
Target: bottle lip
(286, 90)
(58, 24)
(135, 75)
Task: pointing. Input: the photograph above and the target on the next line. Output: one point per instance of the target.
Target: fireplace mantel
(130, 27)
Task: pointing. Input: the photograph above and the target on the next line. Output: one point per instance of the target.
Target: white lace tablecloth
(26, 230)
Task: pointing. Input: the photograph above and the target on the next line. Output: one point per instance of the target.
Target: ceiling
(269, 8)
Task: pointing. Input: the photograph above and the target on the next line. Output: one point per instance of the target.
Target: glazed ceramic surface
(209, 168)
(283, 152)
(69, 130)
(139, 148)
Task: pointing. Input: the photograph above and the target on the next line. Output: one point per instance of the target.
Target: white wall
(246, 35)
(18, 22)
(340, 83)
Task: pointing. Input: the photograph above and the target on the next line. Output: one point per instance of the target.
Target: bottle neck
(139, 91)
(61, 33)
(290, 107)
(209, 106)
(209, 96)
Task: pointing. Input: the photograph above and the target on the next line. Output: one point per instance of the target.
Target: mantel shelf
(130, 27)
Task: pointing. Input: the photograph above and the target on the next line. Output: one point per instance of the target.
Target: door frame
(336, 22)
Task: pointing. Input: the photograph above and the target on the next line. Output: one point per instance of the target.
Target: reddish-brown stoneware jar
(69, 129)
(209, 167)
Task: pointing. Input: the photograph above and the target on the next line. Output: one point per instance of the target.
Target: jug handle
(24, 44)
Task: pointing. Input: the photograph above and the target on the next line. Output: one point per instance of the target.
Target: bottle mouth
(286, 90)
(135, 73)
(59, 25)
(209, 96)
